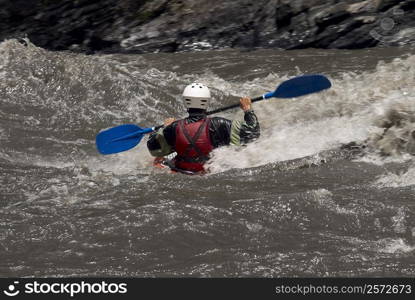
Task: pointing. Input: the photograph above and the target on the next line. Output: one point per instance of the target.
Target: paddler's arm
(246, 131)
(158, 142)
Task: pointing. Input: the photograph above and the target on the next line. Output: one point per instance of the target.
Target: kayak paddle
(124, 137)
(121, 138)
(291, 88)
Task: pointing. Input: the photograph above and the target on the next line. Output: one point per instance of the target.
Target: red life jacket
(193, 145)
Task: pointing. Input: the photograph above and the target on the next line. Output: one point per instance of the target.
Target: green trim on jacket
(235, 133)
(165, 148)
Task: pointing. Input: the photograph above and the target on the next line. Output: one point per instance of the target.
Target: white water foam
(84, 90)
(393, 246)
(385, 245)
(403, 179)
(349, 112)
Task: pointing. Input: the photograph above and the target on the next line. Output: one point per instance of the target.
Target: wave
(403, 179)
(376, 108)
(62, 99)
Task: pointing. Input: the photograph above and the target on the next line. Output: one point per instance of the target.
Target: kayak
(168, 162)
(164, 161)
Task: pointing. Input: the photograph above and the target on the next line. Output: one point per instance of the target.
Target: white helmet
(196, 95)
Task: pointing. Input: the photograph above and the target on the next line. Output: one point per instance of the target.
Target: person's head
(196, 97)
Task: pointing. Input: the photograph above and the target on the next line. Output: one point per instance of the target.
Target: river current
(327, 190)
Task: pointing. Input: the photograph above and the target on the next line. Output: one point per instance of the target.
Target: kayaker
(194, 137)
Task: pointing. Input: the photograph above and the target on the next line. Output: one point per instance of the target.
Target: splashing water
(293, 203)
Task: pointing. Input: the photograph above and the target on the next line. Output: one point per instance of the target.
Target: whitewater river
(296, 202)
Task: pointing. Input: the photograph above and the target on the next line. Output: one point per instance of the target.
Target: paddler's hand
(168, 121)
(246, 104)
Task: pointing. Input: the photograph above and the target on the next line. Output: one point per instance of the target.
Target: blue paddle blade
(300, 86)
(120, 138)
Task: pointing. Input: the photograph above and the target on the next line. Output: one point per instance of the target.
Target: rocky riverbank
(174, 25)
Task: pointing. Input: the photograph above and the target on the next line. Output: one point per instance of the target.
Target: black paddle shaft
(220, 109)
(232, 106)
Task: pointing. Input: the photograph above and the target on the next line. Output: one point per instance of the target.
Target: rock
(385, 5)
(141, 26)
(355, 36)
(364, 6)
(404, 37)
(325, 16)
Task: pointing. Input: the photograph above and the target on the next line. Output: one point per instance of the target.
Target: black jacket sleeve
(220, 131)
(161, 142)
(250, 129)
